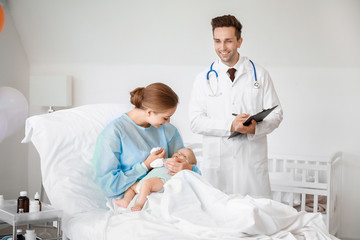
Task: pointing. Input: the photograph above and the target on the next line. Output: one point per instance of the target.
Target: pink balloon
(13, 111)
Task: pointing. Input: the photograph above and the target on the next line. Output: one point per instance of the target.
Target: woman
(122, 153)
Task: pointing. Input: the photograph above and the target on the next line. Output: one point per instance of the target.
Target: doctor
(236, 165)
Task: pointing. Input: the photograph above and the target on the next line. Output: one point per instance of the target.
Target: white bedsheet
(190, 208)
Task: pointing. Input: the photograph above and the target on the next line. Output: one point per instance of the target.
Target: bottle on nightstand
(23, 202)
(34, 206)
(37, 198)
(30, 234)
(19, 235)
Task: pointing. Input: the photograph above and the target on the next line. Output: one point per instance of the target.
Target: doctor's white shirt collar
(239, 66)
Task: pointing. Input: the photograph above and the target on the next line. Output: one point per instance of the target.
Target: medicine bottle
(30, 234)
(19, 235)
(37, 198)
(34, 206)
(23, 202)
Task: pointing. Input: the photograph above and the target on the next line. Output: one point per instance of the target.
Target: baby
(152, 182)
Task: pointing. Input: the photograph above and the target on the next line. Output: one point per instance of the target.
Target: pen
(234, 114)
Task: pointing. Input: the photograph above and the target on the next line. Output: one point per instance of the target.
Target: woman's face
(156, 119)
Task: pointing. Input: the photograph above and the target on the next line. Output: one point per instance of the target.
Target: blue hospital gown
(123, 146)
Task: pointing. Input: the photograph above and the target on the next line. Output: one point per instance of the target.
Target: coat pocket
(211, 152)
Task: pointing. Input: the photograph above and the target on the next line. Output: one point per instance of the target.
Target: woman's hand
(176, 164)
(161, 153)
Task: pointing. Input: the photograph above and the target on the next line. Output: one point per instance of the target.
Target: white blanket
(190, 208)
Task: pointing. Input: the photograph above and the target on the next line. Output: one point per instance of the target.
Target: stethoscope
(215, 94)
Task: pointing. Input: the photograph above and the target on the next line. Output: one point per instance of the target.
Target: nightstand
(8, 214)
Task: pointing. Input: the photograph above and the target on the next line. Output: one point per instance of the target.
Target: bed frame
(304, 176)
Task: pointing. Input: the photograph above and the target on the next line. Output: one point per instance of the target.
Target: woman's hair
(227, 21)
(157, 96)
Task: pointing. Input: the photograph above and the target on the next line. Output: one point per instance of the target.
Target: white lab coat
(236, 165)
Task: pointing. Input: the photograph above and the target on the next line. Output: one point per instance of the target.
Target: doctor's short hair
(157, 96)
(227, 21)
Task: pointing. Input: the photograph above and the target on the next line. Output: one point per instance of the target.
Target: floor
(43, 232)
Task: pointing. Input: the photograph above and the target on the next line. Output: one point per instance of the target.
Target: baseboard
(347, 238)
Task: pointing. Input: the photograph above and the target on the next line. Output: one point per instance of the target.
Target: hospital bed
(189, 208)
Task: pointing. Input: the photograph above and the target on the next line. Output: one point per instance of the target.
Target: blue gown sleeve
(109, 174)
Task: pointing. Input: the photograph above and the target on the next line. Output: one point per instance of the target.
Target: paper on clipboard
(257, 117)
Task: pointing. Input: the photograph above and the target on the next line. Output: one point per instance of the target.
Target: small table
(8, 214)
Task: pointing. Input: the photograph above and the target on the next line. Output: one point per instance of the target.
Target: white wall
(310, 48)
(14, 72)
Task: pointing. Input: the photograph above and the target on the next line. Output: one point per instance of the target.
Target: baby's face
(184, 153)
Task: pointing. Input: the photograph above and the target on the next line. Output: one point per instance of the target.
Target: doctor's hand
(161, 153)
(237, 124)
(176, 164)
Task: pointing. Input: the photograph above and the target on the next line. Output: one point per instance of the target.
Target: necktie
(231, 72)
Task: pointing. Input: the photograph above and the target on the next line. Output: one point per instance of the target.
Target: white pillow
(65, 141)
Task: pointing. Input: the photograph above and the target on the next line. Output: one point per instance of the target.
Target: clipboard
(257, 117)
